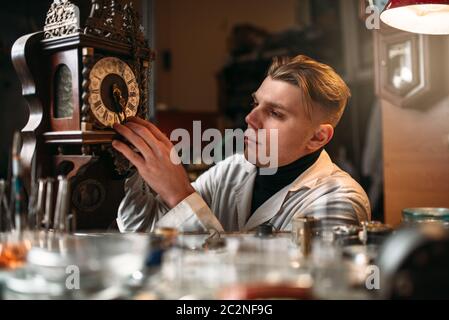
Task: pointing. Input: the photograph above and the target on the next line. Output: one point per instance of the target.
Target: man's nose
(253, 119)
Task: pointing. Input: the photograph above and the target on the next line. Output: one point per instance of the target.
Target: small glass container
(14, 247)
(419, 216)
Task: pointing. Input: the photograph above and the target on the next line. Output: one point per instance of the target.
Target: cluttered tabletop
(339, 263)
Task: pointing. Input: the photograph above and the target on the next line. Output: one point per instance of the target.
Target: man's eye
(253, 104)
(275, 114)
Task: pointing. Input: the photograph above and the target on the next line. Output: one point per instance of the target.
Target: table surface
(188, 271)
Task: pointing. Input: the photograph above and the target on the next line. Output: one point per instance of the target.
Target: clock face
(114, 91)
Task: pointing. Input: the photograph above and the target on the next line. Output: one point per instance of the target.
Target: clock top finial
(63, 19)
(114, 20)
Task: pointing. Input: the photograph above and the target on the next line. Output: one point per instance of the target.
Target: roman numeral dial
(114, 92)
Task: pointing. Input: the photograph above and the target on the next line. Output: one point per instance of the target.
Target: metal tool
(49, 206)
(71, 221)
(214, 241)
(40, 202)
(36, 204)
(62, 205)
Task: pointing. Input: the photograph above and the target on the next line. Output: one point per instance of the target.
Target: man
(302, 100)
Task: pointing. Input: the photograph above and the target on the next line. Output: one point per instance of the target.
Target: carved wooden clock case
(78, 82)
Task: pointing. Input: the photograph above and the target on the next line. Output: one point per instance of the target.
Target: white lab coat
(223, 200)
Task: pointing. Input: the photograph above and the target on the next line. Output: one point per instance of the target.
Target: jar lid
(426, 214)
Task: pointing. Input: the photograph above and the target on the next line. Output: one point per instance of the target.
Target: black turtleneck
(266, 186)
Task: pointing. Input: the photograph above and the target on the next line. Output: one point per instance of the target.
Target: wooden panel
(415, 126)
(416, 158)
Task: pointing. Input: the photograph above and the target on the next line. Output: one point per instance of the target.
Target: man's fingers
(133, 157)
(153, 129)
(146, 135)
(137, 141)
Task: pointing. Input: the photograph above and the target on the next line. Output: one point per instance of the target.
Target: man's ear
(322, 135)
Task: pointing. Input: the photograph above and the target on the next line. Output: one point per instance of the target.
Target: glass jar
(419, 216)
(14, 247)
(82, 266)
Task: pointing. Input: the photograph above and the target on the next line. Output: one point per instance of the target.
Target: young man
(302, 100)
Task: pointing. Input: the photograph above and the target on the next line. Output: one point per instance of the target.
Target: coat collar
(323, 167)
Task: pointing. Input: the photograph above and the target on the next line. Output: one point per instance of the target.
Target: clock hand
(119, 101)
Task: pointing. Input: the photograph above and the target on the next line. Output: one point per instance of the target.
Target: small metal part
(49, 206)
(214, 241)
(57, 213)
(346, 235)
(363, 234)
(40, 204)
(62, 205)
(36, 204)
(71, 222)
(214, 244)
(345, 231)
(374, 232)
(264, 230)
(302, 231)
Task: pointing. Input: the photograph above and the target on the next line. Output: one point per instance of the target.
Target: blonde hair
(320, 84)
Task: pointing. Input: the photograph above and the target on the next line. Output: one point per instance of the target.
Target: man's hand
(153, 163)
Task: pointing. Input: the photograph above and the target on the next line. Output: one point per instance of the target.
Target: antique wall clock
(80, 78)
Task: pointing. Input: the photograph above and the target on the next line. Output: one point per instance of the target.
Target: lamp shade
(418, 16)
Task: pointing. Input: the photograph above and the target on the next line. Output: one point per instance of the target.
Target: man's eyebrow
(277, 105)
(271, 104)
